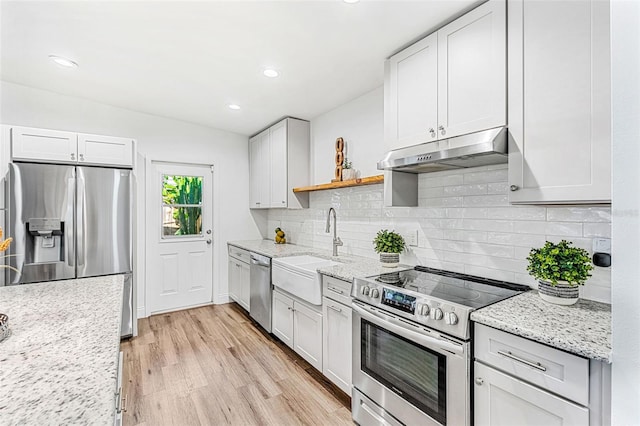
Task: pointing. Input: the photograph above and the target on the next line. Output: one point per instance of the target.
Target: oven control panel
(432, 312)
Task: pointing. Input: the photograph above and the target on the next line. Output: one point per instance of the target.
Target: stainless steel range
(411, 345)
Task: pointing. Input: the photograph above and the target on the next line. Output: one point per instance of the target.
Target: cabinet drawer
(240, 254)
(548, 368)
(336, 289)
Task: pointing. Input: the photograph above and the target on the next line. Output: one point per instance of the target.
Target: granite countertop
(583, 329)
(349, 267)
(59, 365)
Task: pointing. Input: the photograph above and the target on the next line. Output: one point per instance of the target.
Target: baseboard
(221, 299)
(141, 312)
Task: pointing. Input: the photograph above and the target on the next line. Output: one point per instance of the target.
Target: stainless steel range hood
(472, 150)
(402, 166)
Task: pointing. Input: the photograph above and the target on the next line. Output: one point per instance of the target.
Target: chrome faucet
(336, 240)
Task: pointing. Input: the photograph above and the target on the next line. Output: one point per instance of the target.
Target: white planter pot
(560, 294)
(390, 260)
(348, 174)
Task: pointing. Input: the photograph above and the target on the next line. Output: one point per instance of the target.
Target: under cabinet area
(451, 83)
(299, 326)
(337, 332)
(559, 101)
(519, 381)
(53, 146)
(279, 162)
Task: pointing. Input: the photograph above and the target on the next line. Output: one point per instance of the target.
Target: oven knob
(365, 290)
(374, 293)
(424, 310)
(451, 318)
(436, 314)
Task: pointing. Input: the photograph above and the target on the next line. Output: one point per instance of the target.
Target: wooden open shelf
(369, 180)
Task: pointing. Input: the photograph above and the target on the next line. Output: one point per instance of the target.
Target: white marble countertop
(349, 267)
(59, 365)
(583, 329)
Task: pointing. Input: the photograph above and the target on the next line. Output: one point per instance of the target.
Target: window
(181, 205)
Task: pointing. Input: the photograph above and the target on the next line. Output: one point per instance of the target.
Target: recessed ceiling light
(234, 106)
(270, 72)
(63, 61)
(351, 1)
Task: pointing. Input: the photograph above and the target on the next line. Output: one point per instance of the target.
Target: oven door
(414, 374)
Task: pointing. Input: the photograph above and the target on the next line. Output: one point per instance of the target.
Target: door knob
(479, 381)
(209, 241)
(209, 231)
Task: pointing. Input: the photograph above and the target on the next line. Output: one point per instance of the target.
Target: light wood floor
(212, 366)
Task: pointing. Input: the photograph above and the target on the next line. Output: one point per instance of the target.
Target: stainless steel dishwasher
(260, 290)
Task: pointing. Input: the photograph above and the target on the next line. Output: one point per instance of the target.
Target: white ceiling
(189, 60)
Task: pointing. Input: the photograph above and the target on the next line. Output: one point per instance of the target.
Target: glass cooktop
(467, 290)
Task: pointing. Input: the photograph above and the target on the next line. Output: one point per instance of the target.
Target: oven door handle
(391, 324)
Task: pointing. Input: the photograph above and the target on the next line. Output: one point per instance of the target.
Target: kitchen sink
(298, 276)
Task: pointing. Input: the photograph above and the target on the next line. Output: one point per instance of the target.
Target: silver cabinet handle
(335, 290)
(124, 404)
(479, 381)
(442, 130)
(333, 308)
(209, 231)
(514, 187)
(81, 157)
(535, 365)
(433, 132)
(284, 202)
(73, 156)
(209, 241)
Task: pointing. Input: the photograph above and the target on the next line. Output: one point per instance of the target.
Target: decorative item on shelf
(4, 320)
(348, 172)
(339, 160)
(559, 268)
(389, 244)
(280, 239)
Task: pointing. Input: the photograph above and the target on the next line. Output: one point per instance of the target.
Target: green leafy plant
(560, 262)
(184, 190)
(388, 242)
(346, 164)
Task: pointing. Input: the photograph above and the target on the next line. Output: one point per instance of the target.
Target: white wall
(360, 124)
(625, 41)
(160, 139)
(464, 221)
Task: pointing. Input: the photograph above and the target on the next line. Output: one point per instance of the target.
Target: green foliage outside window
(182, 205)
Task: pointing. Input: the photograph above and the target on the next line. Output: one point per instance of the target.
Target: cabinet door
(282, 319)
(472, 71)
(108, 150)
(411, 95)
(265, 169)
(234, 280)
(501, 400)
(278, 162)
(244, 285)
(255, 172)
(336, 343)
(559, 102)
(43, 145)
(307, 334)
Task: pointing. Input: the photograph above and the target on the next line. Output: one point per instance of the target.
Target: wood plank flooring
(212, 366)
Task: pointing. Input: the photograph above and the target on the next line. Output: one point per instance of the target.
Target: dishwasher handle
(260, 260)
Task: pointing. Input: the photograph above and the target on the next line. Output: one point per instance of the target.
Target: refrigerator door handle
(80, 221)
(70, 227)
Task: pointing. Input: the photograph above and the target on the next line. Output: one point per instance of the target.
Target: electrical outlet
(602, 245)
(411, 238)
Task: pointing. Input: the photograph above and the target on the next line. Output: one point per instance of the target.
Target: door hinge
(211, 167)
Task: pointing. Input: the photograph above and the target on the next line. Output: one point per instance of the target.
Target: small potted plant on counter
(389, 244)
(348, 172)
(559, 268)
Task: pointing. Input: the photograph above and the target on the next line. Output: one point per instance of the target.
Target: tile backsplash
(463, 223)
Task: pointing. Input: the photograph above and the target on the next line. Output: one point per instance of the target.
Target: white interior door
(179, 236)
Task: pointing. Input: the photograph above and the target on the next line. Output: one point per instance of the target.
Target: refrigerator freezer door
(103, 212)
(41, 222)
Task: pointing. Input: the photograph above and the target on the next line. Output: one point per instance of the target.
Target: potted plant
(559, 268)
(389, 244)
(348, 172)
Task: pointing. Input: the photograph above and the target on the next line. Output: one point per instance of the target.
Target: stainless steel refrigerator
(70, 222)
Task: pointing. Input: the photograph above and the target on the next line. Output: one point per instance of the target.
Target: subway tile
(523, 240)
(487, 225)
(428, 212)
(601, 230)
(430, 192)
(486, 201)
(517, 213)
(496, 250)
(495, 274)
(579, 214)
(444, 202)
(462, 190)
(567, 229)
(498, 188)
(500, 175)
(460, 235)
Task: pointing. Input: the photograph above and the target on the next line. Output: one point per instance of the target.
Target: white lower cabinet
(503, 400)
(299, 326)
(337, 332)
(239, 282)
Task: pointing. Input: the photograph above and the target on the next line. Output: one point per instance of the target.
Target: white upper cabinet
(97, 149)
(411, 90)
(451, 83)
(43, 145)
(279, 162)
(52, 146)
(559, 102)
(472, 86)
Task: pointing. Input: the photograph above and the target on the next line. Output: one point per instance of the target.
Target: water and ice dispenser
(45, 241)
